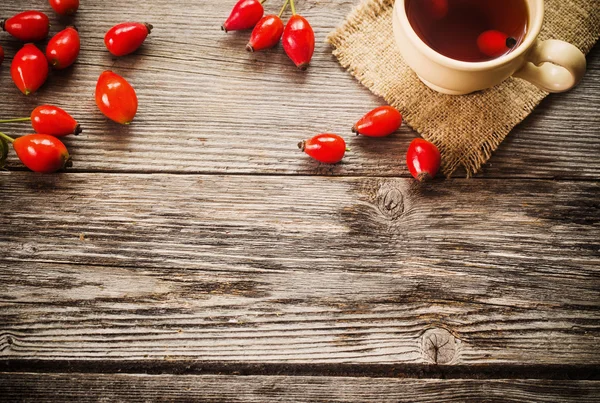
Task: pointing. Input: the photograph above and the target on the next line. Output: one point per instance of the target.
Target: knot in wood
(438, 346)
(390, 201)
(6, 342)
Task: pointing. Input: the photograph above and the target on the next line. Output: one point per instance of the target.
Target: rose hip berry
(244, 15)
(299, 41)
(52, 120)
(379, 122)
(495, 43)
(63, 48)
(40, 152)
(116, 98)
(326, 148)
(266, 33)
(29, 69)
(423, 159)
(65, 7)
(28, 26)
(126, 38)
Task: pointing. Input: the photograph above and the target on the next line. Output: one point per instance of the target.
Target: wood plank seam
(398, 371)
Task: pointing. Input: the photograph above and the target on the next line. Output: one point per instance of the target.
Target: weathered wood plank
(257, 269)
(208, 106)
(543, 140)
(31, 387)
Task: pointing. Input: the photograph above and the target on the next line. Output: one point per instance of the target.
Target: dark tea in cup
(469, 30)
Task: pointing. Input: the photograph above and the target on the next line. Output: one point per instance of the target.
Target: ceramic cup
(552, 65)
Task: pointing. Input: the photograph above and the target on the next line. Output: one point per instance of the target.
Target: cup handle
(553, 66)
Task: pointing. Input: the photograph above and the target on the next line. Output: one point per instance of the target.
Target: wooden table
(197, 255)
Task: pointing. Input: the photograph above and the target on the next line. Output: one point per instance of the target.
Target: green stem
(284, 7)
(15, 120)
(293, 7)
(7, 138)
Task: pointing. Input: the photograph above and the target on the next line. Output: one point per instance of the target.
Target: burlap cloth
(468, 128)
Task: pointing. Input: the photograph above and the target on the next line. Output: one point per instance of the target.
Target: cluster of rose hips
(115, 97)
(422, 158)
(297, 36)
(117, 100)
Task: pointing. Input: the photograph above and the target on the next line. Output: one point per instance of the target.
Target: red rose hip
(28, 26)
(65, 7)
(423, 159)
(326, 148)
(379, 122)
(116, 98)
(495, 43)
(29, 69)
(245, 15)
(63, 48)
(52, 120)
(266, 33)
(299, 41)
(126, 38)
(40, 152)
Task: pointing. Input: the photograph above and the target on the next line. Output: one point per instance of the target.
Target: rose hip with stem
(126, 38)
(28, 26)
(244, 15)
(267, 31)
(494, 43)
(298, 39)
(50, 119)
(63, 48)
(29, 69)
(379, 122)
(40, 152)
(423, 159)
(65, 7)
(326, 148)
(116, 98)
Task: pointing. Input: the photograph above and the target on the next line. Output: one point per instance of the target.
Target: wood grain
(29, 387)
(207, 106)
(201, 236)
(257, 269)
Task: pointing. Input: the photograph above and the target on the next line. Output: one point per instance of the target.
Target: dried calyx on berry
(3, 152)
